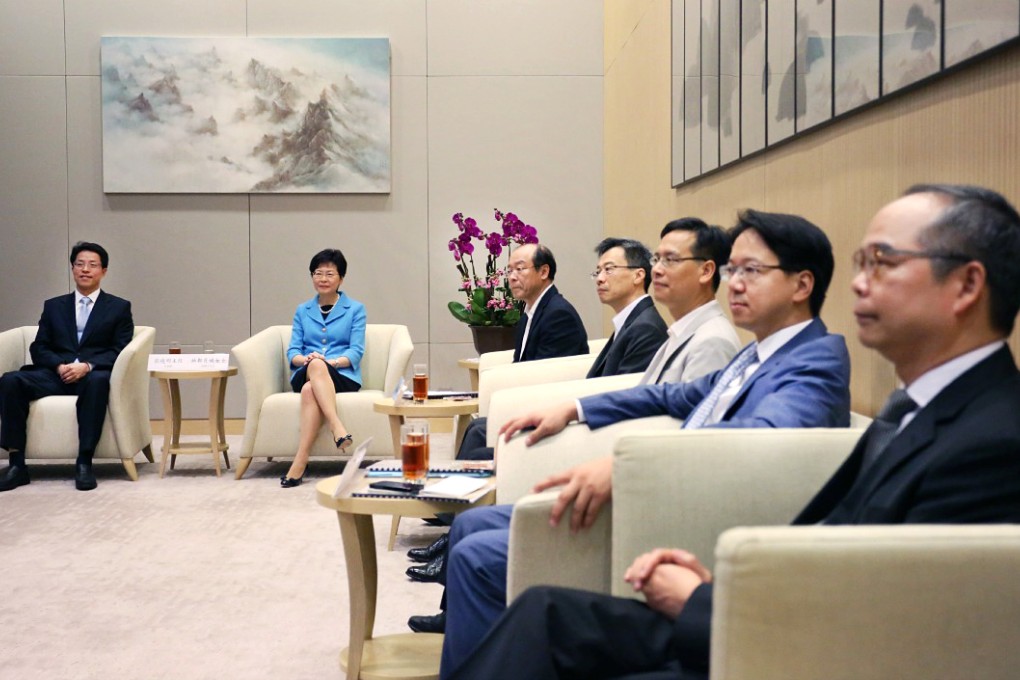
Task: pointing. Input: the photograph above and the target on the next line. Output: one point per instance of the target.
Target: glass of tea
(420, 387)
(175, 347)
(414, 451)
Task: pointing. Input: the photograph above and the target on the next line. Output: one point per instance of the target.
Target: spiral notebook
(459, 489)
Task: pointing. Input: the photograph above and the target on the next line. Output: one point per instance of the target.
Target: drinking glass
(414, 451)
(175, 347)
(421, 383)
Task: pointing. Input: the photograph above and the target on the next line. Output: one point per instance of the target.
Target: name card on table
(189, 362)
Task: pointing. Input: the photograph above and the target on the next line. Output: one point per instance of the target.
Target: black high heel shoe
(290, 483)
(344, 442)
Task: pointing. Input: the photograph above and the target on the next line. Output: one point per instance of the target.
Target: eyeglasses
(517, 270)
(88, 265)
(670, 261)
(324, 274)
(750, 272)
(609, 269)
(870, 259)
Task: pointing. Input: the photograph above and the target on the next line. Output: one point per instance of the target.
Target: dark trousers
(558, 633)
(473, 447)
(18, 389)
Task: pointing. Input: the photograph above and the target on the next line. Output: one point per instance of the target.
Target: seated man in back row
(80, 335)
(795, 374)
(938, 290)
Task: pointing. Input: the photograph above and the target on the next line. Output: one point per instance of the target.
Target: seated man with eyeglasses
(80, 335)
(795, 374)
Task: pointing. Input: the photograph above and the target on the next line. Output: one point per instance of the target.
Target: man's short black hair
(637, 254)
(982, 225)
(799, 244)
(710, 242)
(329, 256)
(544, 256)
(104, 257)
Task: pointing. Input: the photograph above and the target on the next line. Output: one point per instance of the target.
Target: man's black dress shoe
(429, 552)
(428, 573)
(428, 624)
(84, 480)
(13, 477)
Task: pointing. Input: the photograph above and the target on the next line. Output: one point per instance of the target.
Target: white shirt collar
(775, 342)
(624, 314)
(94, 295)
(529, 308)
(692, 319)
(928, 386)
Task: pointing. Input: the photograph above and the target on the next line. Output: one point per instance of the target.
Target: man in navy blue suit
(795, 374)
(79, 338)
(938, 290)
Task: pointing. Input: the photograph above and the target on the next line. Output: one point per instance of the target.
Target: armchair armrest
(512, 401)
(906, 602)
(129, 392)
(540, 372)
(519, 467)
(262, 362)
(683, 489)
(13, 350)
(580, 559)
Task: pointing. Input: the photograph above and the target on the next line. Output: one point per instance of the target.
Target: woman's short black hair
(329, 256)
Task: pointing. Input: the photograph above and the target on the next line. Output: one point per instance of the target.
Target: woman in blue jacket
(326, 345)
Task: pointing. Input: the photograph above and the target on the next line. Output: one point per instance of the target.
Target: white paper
(351, 469)
(189, 362)
(454, 487)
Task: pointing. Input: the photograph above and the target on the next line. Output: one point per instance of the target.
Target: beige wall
(491, 108)
(962, 128)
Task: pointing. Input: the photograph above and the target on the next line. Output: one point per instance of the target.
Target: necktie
(886, 423)
(84, 309)
(736, 369)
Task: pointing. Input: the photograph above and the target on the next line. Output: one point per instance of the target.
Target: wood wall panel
(962, 128)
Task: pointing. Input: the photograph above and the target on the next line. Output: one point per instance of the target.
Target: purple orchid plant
(489, 300)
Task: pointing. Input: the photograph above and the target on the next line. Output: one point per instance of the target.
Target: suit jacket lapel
(812, 331)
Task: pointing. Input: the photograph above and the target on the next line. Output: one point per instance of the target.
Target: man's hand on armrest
(667, 578)
(546, 423)
(588, 486)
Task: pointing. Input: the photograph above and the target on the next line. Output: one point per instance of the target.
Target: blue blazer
(108, 331)
(804, 384)
(341, 334)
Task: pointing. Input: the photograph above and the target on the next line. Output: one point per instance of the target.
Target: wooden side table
(408, 655)
(472, 368)
(401, 409)
(172, 446)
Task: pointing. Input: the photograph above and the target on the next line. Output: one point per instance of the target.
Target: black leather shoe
(13, 477)
(428, 573)
(428, 624)
(429, 552)
(290, 483)
(84, 480)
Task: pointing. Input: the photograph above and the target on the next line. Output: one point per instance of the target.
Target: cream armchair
(905, 602)
(53, 424)
(674, 489)
(272, 422)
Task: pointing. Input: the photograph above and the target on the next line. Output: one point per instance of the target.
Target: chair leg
(147, 452)
(129, 466)
(242, 467)
(393, 532)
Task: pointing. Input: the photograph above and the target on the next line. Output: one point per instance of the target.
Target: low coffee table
(408, 655)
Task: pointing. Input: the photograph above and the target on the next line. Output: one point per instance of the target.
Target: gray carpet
(188, 577)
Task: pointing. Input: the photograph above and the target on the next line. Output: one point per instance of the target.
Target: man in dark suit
(795, 374)
(622, 277)
(550, 326)
(938, 290)
(79, 338)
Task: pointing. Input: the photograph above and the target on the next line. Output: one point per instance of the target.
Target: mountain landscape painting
(246, 115)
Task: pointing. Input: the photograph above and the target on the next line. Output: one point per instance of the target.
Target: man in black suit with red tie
(938, 290)
(79, 338)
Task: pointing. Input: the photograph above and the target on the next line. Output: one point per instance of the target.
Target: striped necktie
(733, 372)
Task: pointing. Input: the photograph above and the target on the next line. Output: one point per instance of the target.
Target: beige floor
(190, 577)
